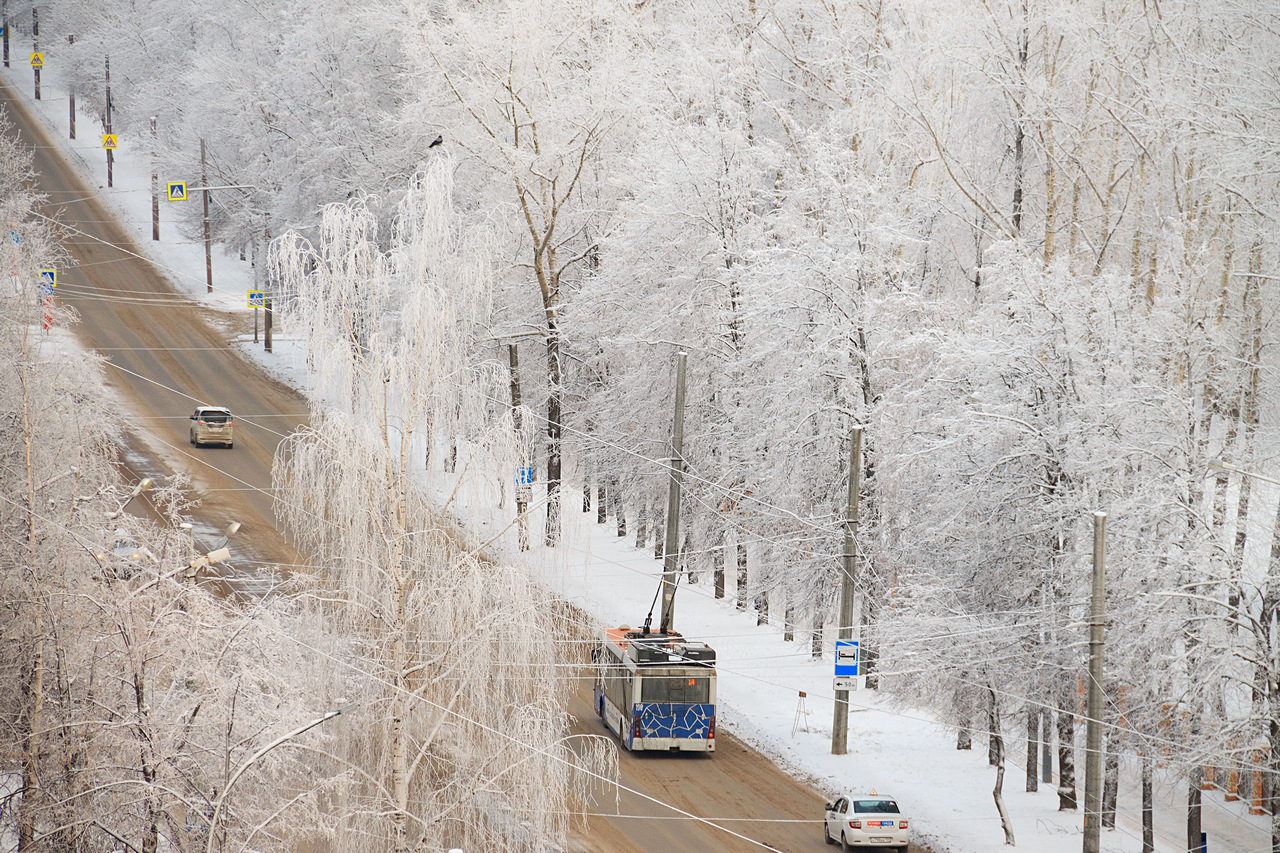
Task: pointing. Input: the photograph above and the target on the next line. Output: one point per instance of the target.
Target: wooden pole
(1093, 722)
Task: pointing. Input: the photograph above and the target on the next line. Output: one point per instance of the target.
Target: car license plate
(881, 839)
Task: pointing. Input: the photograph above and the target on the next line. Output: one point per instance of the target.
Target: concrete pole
(671, 549)
(155, 186)
(848, 568)
(208, 245)
(71, 98)
(111, 155)
(35, 45)
(1093, 725)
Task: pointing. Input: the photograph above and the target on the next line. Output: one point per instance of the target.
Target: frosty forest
(1029, 245)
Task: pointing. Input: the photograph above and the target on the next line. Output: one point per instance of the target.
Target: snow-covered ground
(946, 792)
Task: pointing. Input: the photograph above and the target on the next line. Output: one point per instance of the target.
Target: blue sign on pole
(524, 476)
(846, 658)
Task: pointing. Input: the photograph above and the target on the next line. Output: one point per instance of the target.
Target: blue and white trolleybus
(656, 690)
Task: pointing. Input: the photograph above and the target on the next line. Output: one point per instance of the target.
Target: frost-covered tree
(455, 660)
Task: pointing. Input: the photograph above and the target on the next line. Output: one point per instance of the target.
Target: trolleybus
(656, 690)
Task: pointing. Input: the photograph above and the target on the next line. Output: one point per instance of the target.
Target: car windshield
(875, 807)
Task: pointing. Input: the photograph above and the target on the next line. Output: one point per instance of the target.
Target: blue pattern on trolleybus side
(661, 719)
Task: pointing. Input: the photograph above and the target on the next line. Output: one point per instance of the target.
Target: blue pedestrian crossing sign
(48, 281)
(846, 658)
(177, 191)
(257, 299)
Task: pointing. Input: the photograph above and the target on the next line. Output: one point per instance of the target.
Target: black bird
(439, 140)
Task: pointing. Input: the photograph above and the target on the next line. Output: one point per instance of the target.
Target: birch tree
(454, 661)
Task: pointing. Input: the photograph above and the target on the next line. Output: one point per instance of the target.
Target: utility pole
(71, 96)
(155, 186)
(671, 549)
(111, 155)
(4, 22)
(848, 566)
(1093, 725)
(35, 46)
(208, 245)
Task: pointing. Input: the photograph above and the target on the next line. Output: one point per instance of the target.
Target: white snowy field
(947, 793)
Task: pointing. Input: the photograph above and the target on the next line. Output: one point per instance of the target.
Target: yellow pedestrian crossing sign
(177, 191)
(108, 141)
(37, 60)
(257, 299)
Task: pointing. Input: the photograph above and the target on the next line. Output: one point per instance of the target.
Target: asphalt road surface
(167, 355)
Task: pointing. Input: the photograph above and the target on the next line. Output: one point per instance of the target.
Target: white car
(211, 425)
(862, 821)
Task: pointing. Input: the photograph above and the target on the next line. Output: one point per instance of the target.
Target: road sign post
(257, 299)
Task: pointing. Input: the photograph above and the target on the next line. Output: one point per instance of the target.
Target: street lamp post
(144, 484)
(239, 771)
(217, 554)
(1217, 466)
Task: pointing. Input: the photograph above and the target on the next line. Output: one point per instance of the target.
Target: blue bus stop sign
(846, 658)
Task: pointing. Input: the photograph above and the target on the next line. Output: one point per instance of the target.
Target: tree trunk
(555, 391)
(1110, 782)
(789, 619)
(1193, 810)
(1273, 789)
(742, 576)
(685, 563)
(1046, 746)
(964, 739)
(717, 558)
(993, 737)
(659, 540)
(1033, 748)
(642, 525)
(620, 515)
(602, 505)
(1148, 807)
(997, 793)
(762, 607)
(517, 421)
(1066, 759)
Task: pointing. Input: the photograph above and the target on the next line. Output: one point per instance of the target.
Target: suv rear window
(875, 807)
(215, 417)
